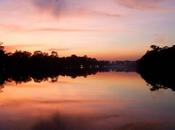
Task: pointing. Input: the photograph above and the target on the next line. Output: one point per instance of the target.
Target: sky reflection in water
(105, 101)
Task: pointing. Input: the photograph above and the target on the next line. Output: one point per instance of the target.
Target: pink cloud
(12, 28)
(149, 5)
(20, 28)
(51, 29)
(59, 49)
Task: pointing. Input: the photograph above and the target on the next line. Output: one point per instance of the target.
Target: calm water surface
(105, 101)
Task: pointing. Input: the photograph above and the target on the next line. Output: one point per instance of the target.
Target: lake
(103, 101)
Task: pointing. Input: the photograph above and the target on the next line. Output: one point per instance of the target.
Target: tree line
(156, 66)
(24, 65)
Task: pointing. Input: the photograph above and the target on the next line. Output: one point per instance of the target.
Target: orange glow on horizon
(99, 54)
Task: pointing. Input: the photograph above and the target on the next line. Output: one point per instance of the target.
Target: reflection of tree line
(157, 67)
(22, 66)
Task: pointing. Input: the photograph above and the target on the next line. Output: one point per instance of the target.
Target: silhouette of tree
(155, 48)
(54, 54)
(157, 67)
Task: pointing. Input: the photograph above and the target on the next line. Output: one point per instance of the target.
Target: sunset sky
(105, 29)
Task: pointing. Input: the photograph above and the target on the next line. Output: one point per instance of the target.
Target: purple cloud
(57, 7)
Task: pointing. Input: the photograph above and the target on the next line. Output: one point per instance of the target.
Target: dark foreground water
(105, 101)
